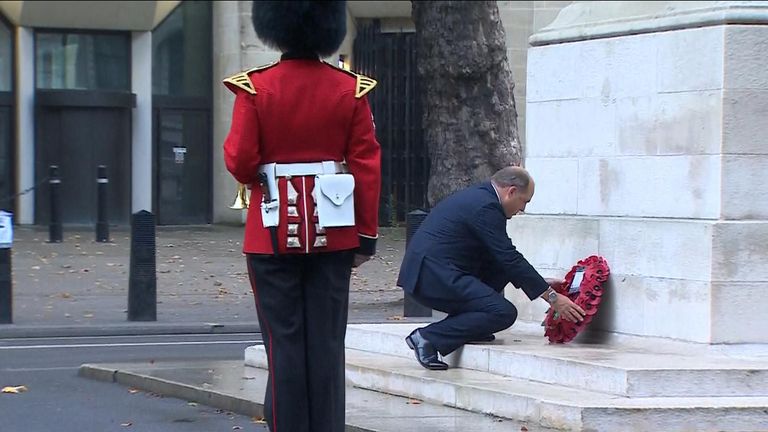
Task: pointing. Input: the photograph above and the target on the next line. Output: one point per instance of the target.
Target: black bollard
(412, 308)
(142, 282)
(6, 284)
(102, 224)
(54, 183)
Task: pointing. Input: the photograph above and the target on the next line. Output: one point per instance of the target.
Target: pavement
(79, 287)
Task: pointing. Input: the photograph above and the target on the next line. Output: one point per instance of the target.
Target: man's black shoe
(489, 338)
(426, 353)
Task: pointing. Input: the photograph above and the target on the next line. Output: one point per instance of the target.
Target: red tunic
(303, 110)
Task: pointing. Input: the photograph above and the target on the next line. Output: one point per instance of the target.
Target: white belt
(307, 168)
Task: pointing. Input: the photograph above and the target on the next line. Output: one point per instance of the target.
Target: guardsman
(302, 139)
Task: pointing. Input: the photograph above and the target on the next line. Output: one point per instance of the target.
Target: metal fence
(390, 58)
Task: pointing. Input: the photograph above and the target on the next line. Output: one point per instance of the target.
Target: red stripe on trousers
(269, 350)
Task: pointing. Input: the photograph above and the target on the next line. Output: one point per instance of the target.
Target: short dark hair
(512, 176)
(301, 26)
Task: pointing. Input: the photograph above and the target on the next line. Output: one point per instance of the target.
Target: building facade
(136, 86)
(656, 159)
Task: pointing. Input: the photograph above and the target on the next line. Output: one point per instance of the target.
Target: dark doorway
(78, 133)
(183, 150)
(390, 58)
(182, 51)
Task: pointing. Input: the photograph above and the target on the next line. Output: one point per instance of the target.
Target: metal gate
(390, 58)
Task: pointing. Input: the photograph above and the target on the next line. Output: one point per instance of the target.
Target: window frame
(177, 103)
(56, 30)
(191, 102)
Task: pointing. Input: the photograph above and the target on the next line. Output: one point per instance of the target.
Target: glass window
(6, 56)
(181, 52)
(84, 61)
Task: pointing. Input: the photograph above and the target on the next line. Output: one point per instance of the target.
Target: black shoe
(426, 353)
(489, 338)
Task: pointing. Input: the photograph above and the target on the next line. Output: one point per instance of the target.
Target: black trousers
(302, 302)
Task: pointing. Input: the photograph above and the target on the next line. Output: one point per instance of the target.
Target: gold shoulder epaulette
(364, 84)
(241, 80)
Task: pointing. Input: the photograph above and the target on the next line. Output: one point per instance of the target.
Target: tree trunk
(470, 120)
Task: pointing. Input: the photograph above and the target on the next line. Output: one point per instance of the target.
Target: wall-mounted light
(344, 61)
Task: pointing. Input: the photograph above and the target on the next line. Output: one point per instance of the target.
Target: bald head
(512, 176)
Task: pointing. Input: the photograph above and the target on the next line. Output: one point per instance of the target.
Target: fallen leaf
(395, 318)
(413, 402)
(524, 429)
(133, 390)
(66, 295)
(14, 390)
(258, 420)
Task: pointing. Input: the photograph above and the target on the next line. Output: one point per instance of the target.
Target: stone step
(620, 370)
(231, 386)
(547, 405)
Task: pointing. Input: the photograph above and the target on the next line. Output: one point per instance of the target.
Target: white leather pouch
(270, 211)
(270, 214)
(335, 200)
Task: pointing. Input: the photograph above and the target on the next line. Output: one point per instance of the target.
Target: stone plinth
(646, 136)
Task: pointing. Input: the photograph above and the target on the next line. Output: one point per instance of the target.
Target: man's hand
(568, 309)
(360, 259)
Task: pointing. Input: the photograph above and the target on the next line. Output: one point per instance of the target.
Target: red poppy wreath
(584, 286)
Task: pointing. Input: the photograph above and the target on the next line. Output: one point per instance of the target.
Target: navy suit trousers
(476, 308)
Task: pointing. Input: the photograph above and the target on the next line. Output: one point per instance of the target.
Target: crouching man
(459, 261)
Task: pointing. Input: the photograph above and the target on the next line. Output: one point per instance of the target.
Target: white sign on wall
(6, 230)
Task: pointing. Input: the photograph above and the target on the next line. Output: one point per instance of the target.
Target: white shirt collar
(497, 192)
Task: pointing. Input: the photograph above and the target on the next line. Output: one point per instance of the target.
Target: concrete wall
(521, 19)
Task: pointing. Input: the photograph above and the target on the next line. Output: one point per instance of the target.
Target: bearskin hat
(301, 26)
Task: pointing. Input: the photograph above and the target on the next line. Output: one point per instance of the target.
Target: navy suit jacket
(463, 240)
